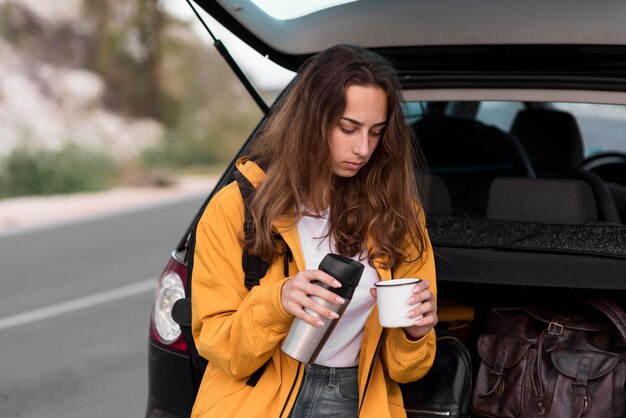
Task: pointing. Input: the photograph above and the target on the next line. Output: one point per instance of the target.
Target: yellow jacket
(239, 331)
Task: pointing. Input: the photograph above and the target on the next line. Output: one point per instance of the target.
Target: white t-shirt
(343, 346)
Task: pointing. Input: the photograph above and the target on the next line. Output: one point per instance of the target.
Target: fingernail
(334, 314)
(340, 300)
(418, 322)
(336, 283)
(318, 323)
(411, 300)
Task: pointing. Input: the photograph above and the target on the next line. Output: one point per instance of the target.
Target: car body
(468, 70)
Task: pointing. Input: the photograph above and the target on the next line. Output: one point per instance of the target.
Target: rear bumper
(170, 388)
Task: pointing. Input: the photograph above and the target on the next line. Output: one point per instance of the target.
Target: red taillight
(170, 287)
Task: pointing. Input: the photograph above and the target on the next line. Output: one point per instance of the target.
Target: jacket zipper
(371, 369)
(293, 385)
(430, 412)
(287, 261)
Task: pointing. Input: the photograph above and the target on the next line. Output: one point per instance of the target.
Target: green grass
(36, 171)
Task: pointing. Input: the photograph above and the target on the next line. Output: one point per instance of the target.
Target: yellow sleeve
(407, 360)
(234, 329)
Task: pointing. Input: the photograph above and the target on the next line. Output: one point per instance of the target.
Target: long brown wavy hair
(380, 202)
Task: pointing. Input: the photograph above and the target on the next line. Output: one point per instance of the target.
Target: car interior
(468, 154)
(515, 212)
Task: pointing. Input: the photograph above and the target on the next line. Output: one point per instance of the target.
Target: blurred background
(98, 93)
(116, 117)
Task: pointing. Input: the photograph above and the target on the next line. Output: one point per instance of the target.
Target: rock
(45, 104)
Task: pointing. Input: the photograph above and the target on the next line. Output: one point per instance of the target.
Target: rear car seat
(549, 201)
(554, 143)
(468, 155)
(611, 167)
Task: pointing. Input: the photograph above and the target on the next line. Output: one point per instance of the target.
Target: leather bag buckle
(554, 328)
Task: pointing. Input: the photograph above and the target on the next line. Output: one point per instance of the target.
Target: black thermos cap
(344, 269)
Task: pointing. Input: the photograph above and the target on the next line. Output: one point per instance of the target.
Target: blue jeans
(327, 392)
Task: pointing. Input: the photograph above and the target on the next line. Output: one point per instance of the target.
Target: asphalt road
(74, 312)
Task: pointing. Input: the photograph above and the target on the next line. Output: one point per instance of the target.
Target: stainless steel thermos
(305, 341)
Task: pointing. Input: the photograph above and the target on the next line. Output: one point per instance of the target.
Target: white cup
(392, 297)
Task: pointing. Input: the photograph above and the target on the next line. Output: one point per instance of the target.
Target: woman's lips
(352, 166)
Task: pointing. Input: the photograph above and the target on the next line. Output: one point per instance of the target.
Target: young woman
(339, 178)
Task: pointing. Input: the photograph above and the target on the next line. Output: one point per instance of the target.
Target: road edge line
(77, 304)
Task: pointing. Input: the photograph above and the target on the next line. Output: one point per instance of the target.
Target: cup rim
(397, 282)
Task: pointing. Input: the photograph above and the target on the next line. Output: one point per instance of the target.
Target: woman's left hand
(428, 310)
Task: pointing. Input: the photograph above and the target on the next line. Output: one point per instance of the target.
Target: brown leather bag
(537, 362)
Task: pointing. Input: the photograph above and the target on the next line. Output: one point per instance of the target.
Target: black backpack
(444, 391)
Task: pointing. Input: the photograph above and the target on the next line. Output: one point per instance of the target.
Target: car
(520, 112)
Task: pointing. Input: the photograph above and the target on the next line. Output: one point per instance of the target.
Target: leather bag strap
(582, 401)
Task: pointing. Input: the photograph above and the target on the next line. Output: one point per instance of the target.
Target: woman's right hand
(296, 296)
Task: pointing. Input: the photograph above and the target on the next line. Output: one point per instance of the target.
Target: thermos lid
(342, 268)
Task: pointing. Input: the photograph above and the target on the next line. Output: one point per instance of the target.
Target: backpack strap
(254, 266)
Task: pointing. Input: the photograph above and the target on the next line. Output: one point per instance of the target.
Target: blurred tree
(125, 49)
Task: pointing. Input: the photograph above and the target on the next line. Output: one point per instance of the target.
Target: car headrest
(451, 145)
(551, 138)
(551, 201)
(434, 194)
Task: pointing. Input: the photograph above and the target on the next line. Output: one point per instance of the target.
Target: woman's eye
(347, 131)
(379, 133)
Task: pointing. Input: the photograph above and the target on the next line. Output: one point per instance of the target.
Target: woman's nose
(361, 144)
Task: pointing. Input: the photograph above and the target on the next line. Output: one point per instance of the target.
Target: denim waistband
(333, 372)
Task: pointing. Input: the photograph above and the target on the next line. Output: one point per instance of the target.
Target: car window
(602, 126)
(413, 111)
(499, 114)
(286, 10)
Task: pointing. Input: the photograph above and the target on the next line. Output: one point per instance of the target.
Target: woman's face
(354, 138)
